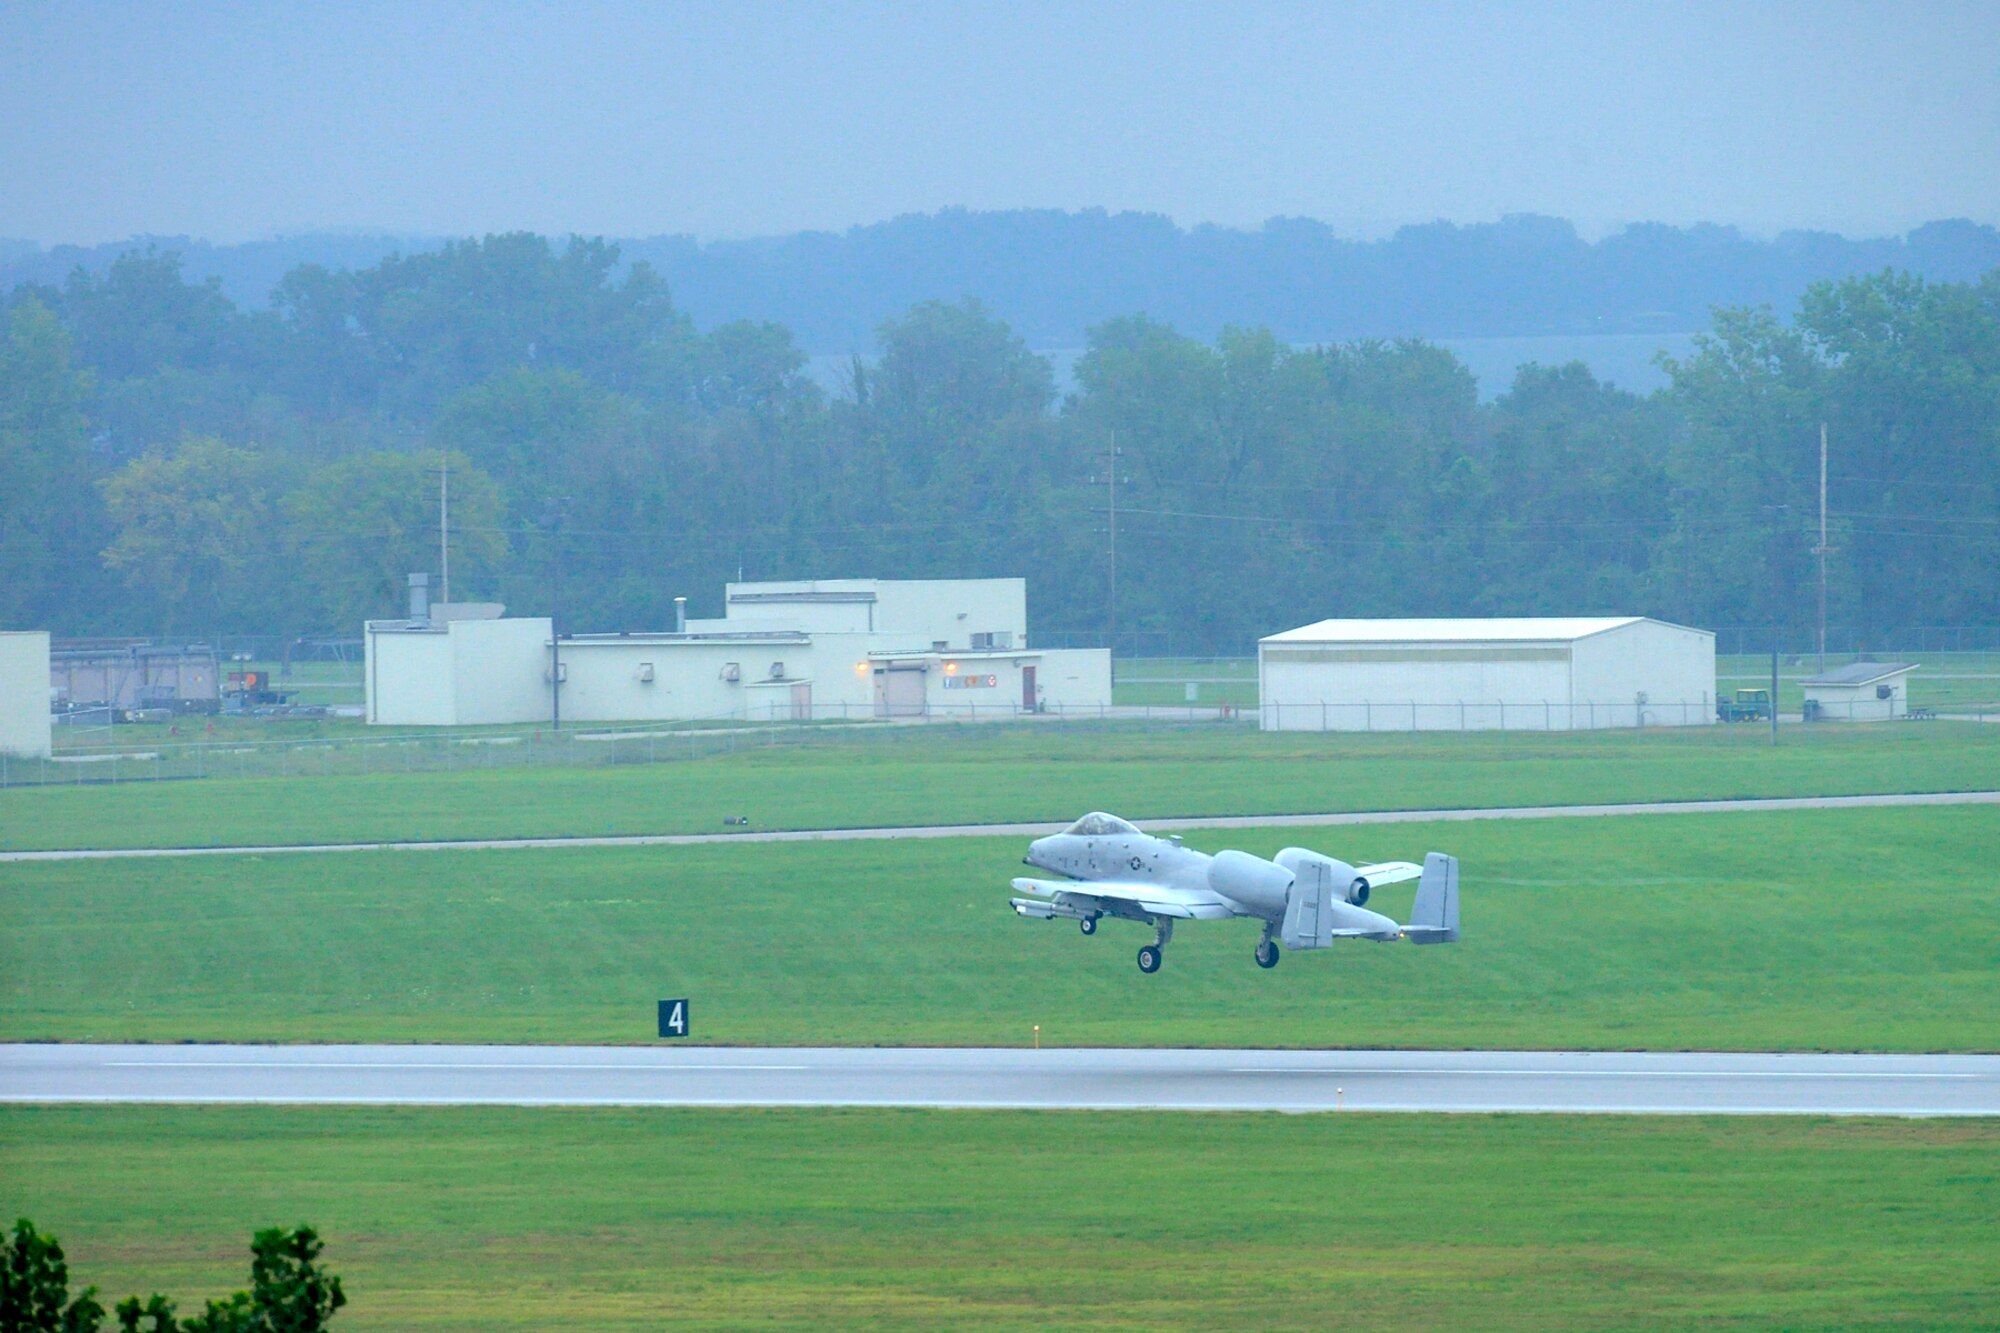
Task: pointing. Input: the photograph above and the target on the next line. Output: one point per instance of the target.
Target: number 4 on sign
(673, 1018)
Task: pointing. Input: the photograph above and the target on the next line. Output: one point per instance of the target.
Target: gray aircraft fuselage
(1140, 856)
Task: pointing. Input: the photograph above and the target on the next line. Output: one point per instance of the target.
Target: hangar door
(899, 691)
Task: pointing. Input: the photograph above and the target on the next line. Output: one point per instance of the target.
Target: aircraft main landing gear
(1088, 925)
(1149, 959)
(1154, 954)
(1267, 953)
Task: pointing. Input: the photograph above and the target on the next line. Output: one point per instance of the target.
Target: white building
(793, 651)
(1860, 692)
(24, 693)
(1540, 674)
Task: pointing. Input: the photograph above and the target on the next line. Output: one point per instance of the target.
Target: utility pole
(552, 519)
(444, 524)
(1822, 549)
(1111, 480)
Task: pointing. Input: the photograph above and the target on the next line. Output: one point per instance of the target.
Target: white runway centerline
(1216, 1080)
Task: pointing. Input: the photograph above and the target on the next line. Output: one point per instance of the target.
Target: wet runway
(1734, 1084)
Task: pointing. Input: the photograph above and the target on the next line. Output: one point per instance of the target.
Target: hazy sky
(233, 121)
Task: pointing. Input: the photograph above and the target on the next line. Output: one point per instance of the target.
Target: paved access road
(1567, 1081)
(1168, 825)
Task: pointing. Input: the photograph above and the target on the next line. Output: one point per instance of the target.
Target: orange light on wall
(951, 668)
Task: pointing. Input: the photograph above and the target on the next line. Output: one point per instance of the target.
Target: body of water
(1623, 359)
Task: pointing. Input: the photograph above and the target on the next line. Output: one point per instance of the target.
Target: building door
(1027, 689)
(802, 702)
(899, 692)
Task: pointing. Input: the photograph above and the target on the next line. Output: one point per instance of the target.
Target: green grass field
(946, 775)
(462, 1219)
(1838, 930)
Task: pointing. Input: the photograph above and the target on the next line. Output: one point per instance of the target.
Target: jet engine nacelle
(1257, 884)
(1354, 887)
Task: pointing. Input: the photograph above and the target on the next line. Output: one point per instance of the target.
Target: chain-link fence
(153, 753)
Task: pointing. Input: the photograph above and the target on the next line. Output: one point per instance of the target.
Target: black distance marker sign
(673, 1018)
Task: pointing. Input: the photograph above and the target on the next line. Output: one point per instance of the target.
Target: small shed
(1860, 692)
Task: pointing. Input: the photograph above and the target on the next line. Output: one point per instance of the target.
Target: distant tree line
(176, 464)
(1054, 274)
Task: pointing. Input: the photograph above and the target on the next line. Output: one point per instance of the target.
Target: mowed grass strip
(447, 1219)
(1868, 929)
(1007, 773)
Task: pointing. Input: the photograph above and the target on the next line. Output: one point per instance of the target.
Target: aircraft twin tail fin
(1434, 917)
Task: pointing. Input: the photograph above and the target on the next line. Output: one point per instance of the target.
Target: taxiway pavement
(1036, 830)
(1210, 1080)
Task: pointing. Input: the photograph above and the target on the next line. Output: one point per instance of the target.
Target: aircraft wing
(1389, 872)
(1156, 899)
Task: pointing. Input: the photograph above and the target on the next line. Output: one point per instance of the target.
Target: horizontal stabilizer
(1434, 916)
(1388, 872)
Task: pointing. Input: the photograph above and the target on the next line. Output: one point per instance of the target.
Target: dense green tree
(1577, 496)
(440, 322)
(51, 521)
(1912, 402)
(1744, 473)
(359, 525)
(193, 532)
(289, 1291)
(34, 1286)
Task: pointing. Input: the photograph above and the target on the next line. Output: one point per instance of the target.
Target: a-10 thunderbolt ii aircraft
(1305, 900)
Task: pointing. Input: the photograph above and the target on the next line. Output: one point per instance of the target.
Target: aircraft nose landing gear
(1267, 953)
(1154, 954)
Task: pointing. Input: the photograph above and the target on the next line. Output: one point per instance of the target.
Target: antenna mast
(1111, 616)
(1822, 549)
(444, 525)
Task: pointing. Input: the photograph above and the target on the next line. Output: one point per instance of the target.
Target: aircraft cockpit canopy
(1097, 824)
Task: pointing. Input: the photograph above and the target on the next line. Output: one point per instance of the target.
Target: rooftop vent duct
(420, 597)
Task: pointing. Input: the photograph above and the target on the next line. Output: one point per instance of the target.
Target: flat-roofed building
(826, 649)
(24, 693)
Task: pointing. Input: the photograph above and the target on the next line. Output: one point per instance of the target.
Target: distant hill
(1052, 274)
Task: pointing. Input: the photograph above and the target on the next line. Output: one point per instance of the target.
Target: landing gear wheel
(1267, 954)
(1149, 959)
(1088, 925)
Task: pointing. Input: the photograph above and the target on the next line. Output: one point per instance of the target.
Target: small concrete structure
(124, 675)
(24, 693)
(1531, 674)
(792, 651)
(1860, 692)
